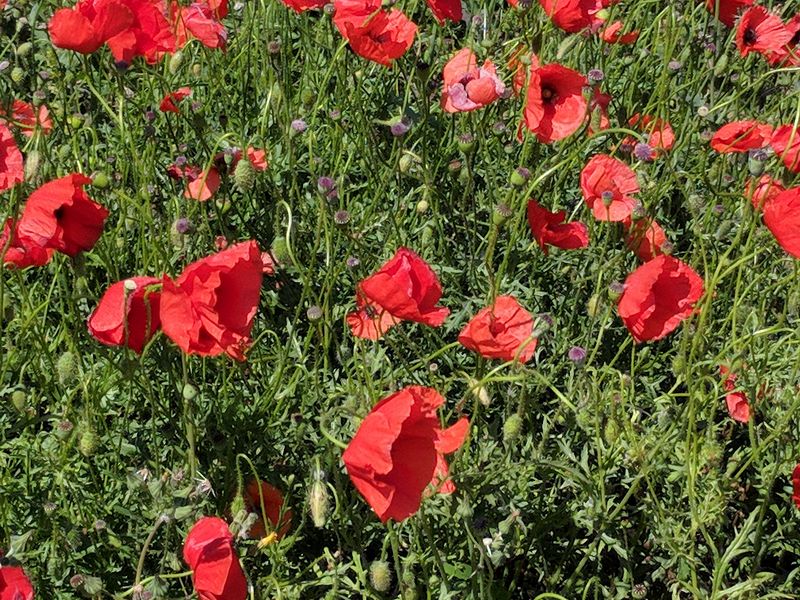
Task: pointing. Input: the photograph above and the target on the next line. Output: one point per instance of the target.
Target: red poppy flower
(60, 215)
(89, 25)
(26, 119)
(149, 35)
(14, 584)
(550, 229)
(280, 519)
(598, 112)
(658, 296)
(789, 54)
(741, 136)
(375, 34)
(607, 185)
(210, 308)
(644, 237)
(467, 87)
(200, 21)
(446, 9)
(796, 486)
(21, 253)
(216, 571)
(555, 107)
(11, 168)
(300, 6)
(406, 288)
(613, 34)
(574, 15)
(660, 134)
(737, 403)
(786, 143)
(766, 188)
(257, 158)
(521, 61)
(728, 9)
(761, 31)
(126, 317)
(398, 451)
(204, 185)
(369, 321)
(782, 217)
(170, 100)
(502, 331)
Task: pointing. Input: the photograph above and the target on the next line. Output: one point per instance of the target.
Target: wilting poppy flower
(60, 215)
(26, 118)
(170, 100)
(736, 402)
(200, 21)
(607, 185)
(398, 451)
(14, 584)
(300, 6)
(658, 296)
(574, 15)
(216, 571)
(644, 237)
(210, 308)
(728, 9)
(782, 217)
(406, 288)
(203, 186)
(766, 188)
(125, 316)
(760, 31)
(467, 87)
(796, 486)
(21, 253)
(613, 34)
(786, 143)
(369, 321)
(280, 518)
(549, 228)
(375, 34)
(741, 136)
(555, 107)
(11, 168)
(502, 331)
(446, 9)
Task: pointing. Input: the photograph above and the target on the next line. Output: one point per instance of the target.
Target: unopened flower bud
(380, 575)
(88, 443)
(32, 163)
(318, 502)
(512, 428)
(480, 392)
(65, 367)
(175, 62)
(422, 207)
(244, 175)
(19, 400)
(189, 392)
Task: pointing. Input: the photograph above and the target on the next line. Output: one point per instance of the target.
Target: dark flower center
(59, 213)
(549, 95)
(750, 36)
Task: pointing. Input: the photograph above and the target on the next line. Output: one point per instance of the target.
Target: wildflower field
(407, 299)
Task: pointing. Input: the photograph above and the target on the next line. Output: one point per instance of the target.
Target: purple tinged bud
(353, 262)
(299, 125)
(577, 354)
(674, 65)
(183, 225)
(400, 127)
(326, 184)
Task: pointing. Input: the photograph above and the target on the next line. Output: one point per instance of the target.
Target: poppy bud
(175, 62)
(722, 66)
(280, 250)
(422, 206)
(17, 74)
(32, 163)
(23, 49)
(380, 576)
(406, 163)
(307, 97)
(100, 180)
(678, 365)
(512, 428)
(20, 400)
(197, 70)
(237, 507)
(611, 431)
(189, 392)
(319, 502)
(88, 443)
(479, 391)
(594, 306)
(65, 367)
(244, 175)
(724, 229)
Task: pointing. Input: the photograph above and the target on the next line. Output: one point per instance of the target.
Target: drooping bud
(19, 399)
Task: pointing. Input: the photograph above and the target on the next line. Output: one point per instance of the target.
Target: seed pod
(380, 576)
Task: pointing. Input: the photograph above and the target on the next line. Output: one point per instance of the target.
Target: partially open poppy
(782, 217)
(216, 571)
(550, 228)
(503, 330)
(60, 215)
(12, 171)
(272, 511)
(555, 107)
(128, 313)
(398, 451)
(612, 34)
(658, 296)
(170, 101)
(741, 136)
(14, 584)
(607, 185)
(468, 87)
(736, 401)
(644, 237)
(763, 190)
(203, 186)
(209, 309)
